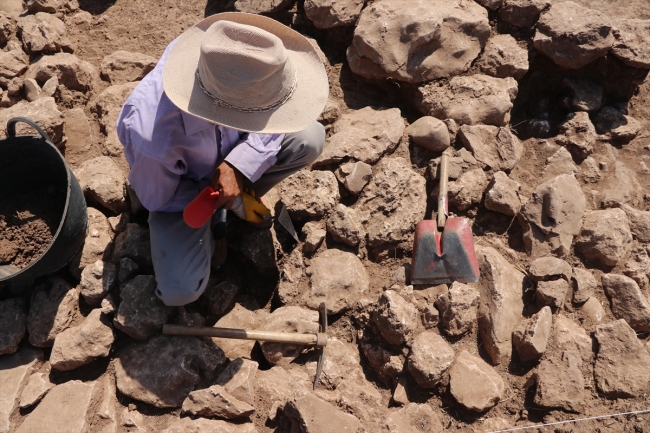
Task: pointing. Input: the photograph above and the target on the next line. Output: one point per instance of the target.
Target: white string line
(638, 412)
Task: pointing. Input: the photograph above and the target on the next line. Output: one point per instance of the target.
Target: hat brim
(297, 113)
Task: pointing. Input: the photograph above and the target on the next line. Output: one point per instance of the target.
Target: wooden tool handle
(319, 340)
(442, 193)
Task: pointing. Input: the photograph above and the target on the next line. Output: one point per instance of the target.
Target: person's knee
(175, 292)
(313, 140)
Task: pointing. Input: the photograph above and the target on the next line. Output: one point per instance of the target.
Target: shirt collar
(194, 124)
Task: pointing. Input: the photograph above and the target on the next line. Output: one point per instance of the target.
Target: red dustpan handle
(199, 211)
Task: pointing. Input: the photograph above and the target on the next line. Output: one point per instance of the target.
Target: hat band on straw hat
(219, 101)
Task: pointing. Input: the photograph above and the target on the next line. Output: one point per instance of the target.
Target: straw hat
(246, 72)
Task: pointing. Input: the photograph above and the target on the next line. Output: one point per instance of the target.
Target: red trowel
(448, 255)
(199, 211)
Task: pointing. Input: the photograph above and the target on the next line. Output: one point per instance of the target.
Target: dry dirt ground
(148, 26)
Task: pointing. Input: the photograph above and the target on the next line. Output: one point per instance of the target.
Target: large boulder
(53, 307)
(15, 371)
(572, 35)
(568, 335)
(12, 64)
(141, 312)
(287, 319)
(82, 344)
(553, 216)
(395, 200)
(469, 100)
(107, 106)
(503, 57)
(337, 278)
(326, 14)
(430, 359)
(497, 148)
(430, 39)
(501, 287)
(605, 236)
(365, 135)
(628, 301)
(309, 194)
(560, 384)
(474, 383)
(13, 322)
(43, 112)
(621, 365)
(630, 42)
(43, 32)
(72, 72)
(103, 182)
(124, 66)
(171, 381)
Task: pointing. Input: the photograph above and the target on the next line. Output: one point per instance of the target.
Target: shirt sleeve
(255, 154)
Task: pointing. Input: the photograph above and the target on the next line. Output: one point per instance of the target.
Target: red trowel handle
(199, 211)
(442, 193)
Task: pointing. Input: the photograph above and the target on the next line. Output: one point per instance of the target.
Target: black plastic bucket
(33, 161)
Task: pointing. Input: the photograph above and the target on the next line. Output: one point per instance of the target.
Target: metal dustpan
(448, 255)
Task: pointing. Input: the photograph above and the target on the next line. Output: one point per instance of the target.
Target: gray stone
(255, 246)
(309, 413)
(314, 235)
(474, 384)
(216, 402)
(82, 344)
(102, 182)
(560, 384)
(309, 194)
(133, 243)
(586, 95)
(68, 408)
(37, 386)
(616, 125)
(430, 133)
(468, 190)
(605, 236)
(627, 301)
(584, 285)
(128, 270)
(344, 225)
(569, 335)
(553, 216)
(630, 42)
(430, 359)
(578, 134)
(621, 364)
(412, 418)
(326, 14)
(561, 162)
(469, 100)
(395, 200)
(218, 299)
(501, 287)
(141, 313)
(262, 6)
(395, 317)
(364, 135)
(13, 322)
(337, 278)
(287, 319)
(238, 379)
(503, 57)
(503, 195)
(354, 176)
(107, 106)
(497, 148)
(531, 336)
(388, 364)
(443, 40)
(124, 66)
(43, 112)
(551, 293)
(572, 35)
(458, 308)
(171, 381)
(53, 307)
(593, 310)
(15, 371)
(522, 13)
(97, 280)
(43, 32)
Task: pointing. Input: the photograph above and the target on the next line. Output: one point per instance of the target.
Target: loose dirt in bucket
(28, 223)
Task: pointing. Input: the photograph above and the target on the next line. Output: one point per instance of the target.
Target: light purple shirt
(173, 155)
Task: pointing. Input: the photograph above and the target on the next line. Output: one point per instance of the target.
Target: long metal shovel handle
(442, 194)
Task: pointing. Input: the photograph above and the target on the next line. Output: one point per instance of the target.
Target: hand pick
(199, 211)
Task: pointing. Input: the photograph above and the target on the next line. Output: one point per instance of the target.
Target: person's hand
(228, 181)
